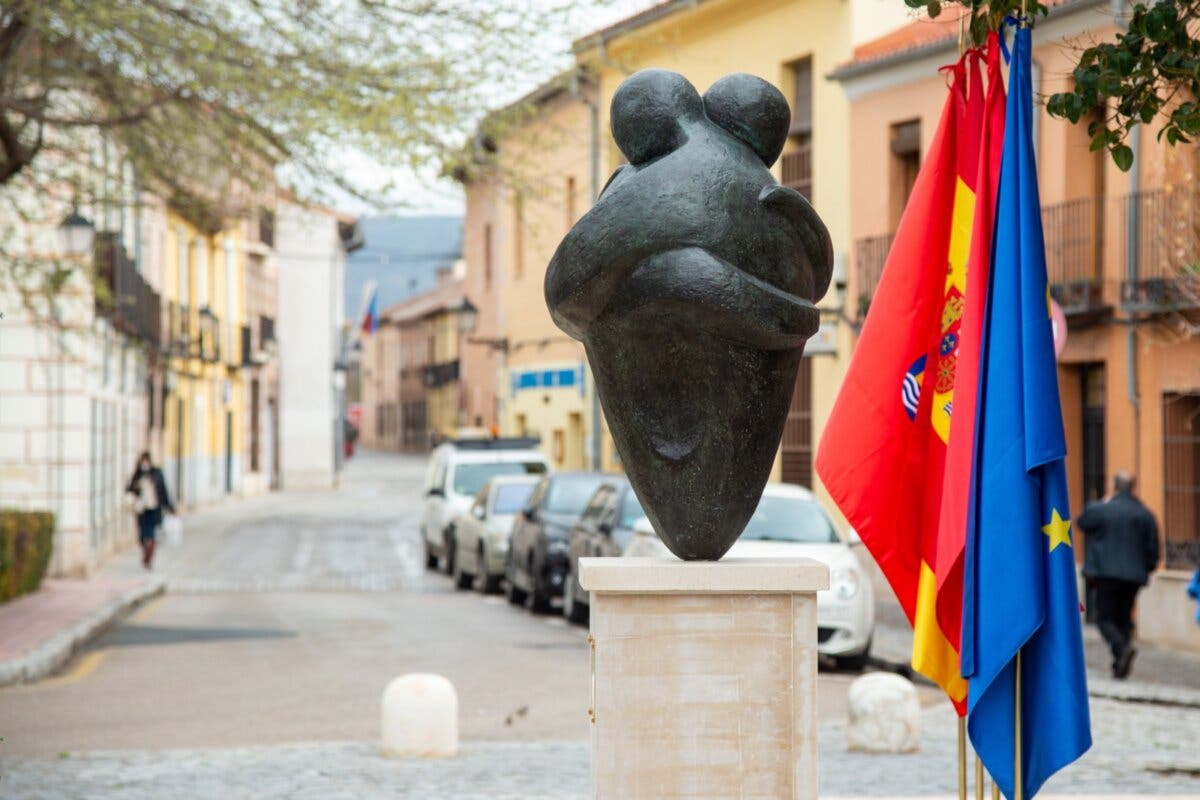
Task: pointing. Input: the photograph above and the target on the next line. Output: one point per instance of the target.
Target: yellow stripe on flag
(932, 654)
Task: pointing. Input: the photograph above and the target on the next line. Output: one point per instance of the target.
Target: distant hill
(402, 255)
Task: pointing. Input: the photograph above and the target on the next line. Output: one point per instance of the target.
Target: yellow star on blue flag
(1058, 529)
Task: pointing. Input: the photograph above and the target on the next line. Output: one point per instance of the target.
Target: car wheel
(515, 594)
(448, 552)
(539, 602)
(574, 611)
(485, 582)
(431, 560)
(462, 580)
(856, 662)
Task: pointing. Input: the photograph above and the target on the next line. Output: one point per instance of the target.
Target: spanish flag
(890, 456)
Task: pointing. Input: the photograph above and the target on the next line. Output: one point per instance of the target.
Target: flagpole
(979, 787)
(962, 758)
(1018, 793)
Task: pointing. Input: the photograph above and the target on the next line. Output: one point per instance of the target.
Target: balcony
(127, 299)
(1074, 236)
(179, 330)
(210, 337)
(796, 169)
(1167, 249)
(870, 253)
(441, 374)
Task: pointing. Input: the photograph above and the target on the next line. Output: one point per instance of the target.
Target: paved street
(259, 675)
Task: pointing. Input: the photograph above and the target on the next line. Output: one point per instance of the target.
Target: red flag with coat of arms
(890, 456)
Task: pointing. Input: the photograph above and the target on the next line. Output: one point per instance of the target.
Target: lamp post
(77, 234)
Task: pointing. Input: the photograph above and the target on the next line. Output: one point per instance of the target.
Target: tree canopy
(1150, 74)
(198, 93)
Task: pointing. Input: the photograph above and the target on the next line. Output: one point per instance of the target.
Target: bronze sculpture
(691, 284)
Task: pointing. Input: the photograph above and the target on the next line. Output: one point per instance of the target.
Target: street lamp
(468, 316)
(77, 234)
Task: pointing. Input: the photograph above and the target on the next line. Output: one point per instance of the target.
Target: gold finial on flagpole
(961, 34)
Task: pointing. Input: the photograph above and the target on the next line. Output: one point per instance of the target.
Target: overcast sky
(426, 193)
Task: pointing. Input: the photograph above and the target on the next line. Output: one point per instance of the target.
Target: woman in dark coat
(150, 500)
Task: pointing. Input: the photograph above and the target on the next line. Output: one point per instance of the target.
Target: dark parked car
(604, 529)
(537, 555)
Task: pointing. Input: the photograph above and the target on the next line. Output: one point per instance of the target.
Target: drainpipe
(594, 108)
(1132, 250)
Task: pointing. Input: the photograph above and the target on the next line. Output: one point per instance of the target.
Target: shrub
(26, 538)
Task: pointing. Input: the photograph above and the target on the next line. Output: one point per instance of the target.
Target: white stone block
(23, 411)
(13, 375)
(885, 716)
(420, 717)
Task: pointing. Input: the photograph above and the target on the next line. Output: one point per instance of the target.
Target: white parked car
(481, 535)
(790, 523)
(457, 471)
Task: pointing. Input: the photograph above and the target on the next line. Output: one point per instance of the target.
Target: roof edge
(855, 69)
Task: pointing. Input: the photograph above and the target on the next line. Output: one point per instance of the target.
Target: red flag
(883, 454)
(952, 525)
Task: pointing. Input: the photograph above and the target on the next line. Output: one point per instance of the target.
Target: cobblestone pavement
(1139, 751)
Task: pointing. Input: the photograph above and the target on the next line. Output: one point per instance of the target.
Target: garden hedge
(26, 538)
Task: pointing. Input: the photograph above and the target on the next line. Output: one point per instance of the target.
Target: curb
(50, 656)
(1122, 691)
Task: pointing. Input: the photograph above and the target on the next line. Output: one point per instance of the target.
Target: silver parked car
(790, 523)
(481, 534)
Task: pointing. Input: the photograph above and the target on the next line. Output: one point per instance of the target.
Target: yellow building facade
(794, 46)
(202, 394)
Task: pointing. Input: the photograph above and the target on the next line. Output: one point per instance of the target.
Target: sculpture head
(691, 283)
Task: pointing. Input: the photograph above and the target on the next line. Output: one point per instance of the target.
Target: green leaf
(1122, 156)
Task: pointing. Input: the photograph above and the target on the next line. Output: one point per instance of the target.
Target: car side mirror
(435, 492)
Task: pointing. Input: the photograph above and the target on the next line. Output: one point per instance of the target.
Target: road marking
(84, 667)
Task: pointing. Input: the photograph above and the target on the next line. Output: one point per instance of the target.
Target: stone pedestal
(704, 678)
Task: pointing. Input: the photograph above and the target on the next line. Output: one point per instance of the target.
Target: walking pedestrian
(148, 491)
(1120, 552)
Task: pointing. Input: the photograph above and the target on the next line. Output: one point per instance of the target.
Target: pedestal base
(704, 678)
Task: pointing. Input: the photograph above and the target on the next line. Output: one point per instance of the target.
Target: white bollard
(420, 717)
(885, 716)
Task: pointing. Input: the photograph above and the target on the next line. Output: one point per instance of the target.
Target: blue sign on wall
(559, 378)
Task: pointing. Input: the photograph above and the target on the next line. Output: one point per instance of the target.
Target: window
(511, 497)
(1181, 479)
(789, 519)
(470, 478)
(518, 235)
(183, 276)
(202, 300)
(487, 255)
(1095, 481)
(905, 162)
(570, 493)
(797, 454)
(570, 204)
(796, 164)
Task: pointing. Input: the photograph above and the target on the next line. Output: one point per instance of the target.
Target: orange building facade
(1123, 254)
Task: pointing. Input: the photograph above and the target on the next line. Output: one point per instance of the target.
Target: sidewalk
(40, 632)
(1160, 676)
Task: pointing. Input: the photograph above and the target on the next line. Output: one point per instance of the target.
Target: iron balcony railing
(1162, 232)
(870, 253)
(124, 295)
(1074, 236)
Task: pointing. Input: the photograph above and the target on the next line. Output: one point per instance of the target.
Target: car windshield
(470, 478)
(631, 510)
(569, 494)
(789, 519)
(511, 497)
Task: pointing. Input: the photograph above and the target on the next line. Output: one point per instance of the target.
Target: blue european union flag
(1019, 592)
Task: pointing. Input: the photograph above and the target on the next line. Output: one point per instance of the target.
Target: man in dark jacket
(1120, 552)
